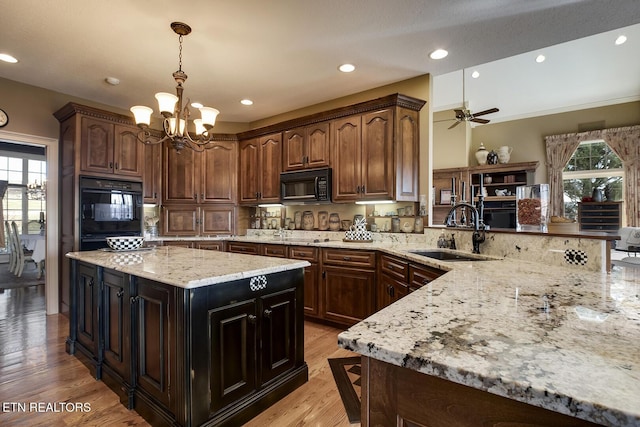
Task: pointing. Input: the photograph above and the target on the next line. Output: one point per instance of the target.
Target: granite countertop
(547, 336)
(187, 268)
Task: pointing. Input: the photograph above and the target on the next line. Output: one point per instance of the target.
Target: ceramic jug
(492, 158)
(504, 154)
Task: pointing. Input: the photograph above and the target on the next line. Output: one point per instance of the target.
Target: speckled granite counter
(547, 336)
(187, 268)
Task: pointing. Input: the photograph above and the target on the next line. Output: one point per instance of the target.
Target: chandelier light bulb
(200, 129)
(142, 114)
(209, 116)
(166, 102)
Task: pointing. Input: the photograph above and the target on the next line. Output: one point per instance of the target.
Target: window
(593, 165)
(21, 169)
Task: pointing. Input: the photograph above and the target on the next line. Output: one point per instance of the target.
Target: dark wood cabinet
(211, 246)
(109, 148)
(278, 251)
(155, 322)
(375, 156)
(85, 298)
(348, 285)
(421, 275)
(311, 278)
(260, 167)
(152, 178)
(278, 325)
(394, 273)
(244, 248)
(306, 147)
(116, 322)
(203, 177)
(198, 220)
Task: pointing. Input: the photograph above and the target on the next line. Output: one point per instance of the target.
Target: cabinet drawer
(243, 248)
(420, 275)
(306, 253)
(394, 267)
(279, 251)
(348, 257)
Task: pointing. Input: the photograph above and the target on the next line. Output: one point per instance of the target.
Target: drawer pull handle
(267, 314)
(346, 258)
(251, 319)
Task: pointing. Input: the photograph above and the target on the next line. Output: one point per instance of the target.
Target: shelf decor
(358, 232)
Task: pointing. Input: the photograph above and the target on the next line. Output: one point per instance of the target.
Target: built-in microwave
(306, 186)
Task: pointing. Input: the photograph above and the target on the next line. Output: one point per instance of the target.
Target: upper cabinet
(201, 177)
(260, 167)
(306, 147)
(375, 156)
(105, 143)
(152, 178)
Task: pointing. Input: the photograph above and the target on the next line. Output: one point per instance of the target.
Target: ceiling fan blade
(483, 121)
(454, 125)
(459, 114)
(489, 111)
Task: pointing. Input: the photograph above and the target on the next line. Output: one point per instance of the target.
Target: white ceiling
(283, 54)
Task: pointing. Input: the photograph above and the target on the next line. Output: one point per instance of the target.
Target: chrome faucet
(478, 224)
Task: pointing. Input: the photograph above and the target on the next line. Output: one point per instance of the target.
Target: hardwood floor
(35, 371)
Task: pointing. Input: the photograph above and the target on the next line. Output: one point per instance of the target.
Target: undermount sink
(448, 256)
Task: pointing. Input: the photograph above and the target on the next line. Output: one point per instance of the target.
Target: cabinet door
(311, 291)
(117, 321)
(377, 155)
(244, 248)
(218, 173)
(156, 343)
(349, 294)
(211, 246)
(318, 146)
(152, 177)
(278, 334)
(180, 220)
(389, 291)
(217, 220)
(249, 171)
(96, 152)
(346, 159)
(294, 149)
(179, 183)
(233, 352)
(128, 151)
(407, 161)
(270, 167)
(87, 289)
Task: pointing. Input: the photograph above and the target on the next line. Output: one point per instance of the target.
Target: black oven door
(110, 208)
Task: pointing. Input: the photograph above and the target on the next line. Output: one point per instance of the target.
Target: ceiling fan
(465, 115)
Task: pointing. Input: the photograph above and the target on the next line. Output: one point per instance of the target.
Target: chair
(23, 255)
(10, 248)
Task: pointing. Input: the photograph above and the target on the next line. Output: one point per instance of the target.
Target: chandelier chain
(180, 53)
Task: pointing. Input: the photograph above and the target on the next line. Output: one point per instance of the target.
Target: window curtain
(3, 190)
(625, 143)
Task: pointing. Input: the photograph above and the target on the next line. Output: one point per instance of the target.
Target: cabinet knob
(195, 196)
(425, 281)
(91, 282)
(358, 189)
(392, 291)
(267, 313)
(251, 318)
(120, 293)
(116, 165)
(362, 189)
(133, 299)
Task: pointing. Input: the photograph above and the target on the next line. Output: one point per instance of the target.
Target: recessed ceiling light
(246, 102)
(196, 105)
(540, 58)
(8, 58)
(113, 81)
(620, 40)
(475, 74)
(438, 54)
(347, 68)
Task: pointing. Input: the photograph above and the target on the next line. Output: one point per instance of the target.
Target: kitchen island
(498, 341)
(188, 337)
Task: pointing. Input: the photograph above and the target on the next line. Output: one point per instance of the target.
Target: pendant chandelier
(175, 116)
(37, 191)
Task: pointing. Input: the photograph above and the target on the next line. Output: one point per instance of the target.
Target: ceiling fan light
(166, 102)
(142, 115)
(209, 116)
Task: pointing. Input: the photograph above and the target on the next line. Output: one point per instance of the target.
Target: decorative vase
(481, 155)
(297, 219)
(323, 220)
(492, 158)
(334, 222)
(504, 154)
(307, 220)
(596, 195)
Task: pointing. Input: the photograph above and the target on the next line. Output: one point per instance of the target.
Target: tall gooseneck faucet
(477, 214)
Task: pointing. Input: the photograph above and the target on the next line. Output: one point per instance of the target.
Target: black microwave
(306, 186)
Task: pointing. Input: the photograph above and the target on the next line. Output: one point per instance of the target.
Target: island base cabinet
(392, 395)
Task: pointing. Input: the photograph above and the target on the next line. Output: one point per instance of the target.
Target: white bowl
(125, 243)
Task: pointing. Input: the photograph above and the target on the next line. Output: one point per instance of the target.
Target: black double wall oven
(109, 208)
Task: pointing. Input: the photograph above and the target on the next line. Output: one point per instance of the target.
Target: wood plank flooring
(36, 370)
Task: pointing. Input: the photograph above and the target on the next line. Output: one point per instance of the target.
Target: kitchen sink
(448, 256)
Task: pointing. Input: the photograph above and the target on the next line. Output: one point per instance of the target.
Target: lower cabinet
(215, 355)
(348, 285)
(311, 278)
